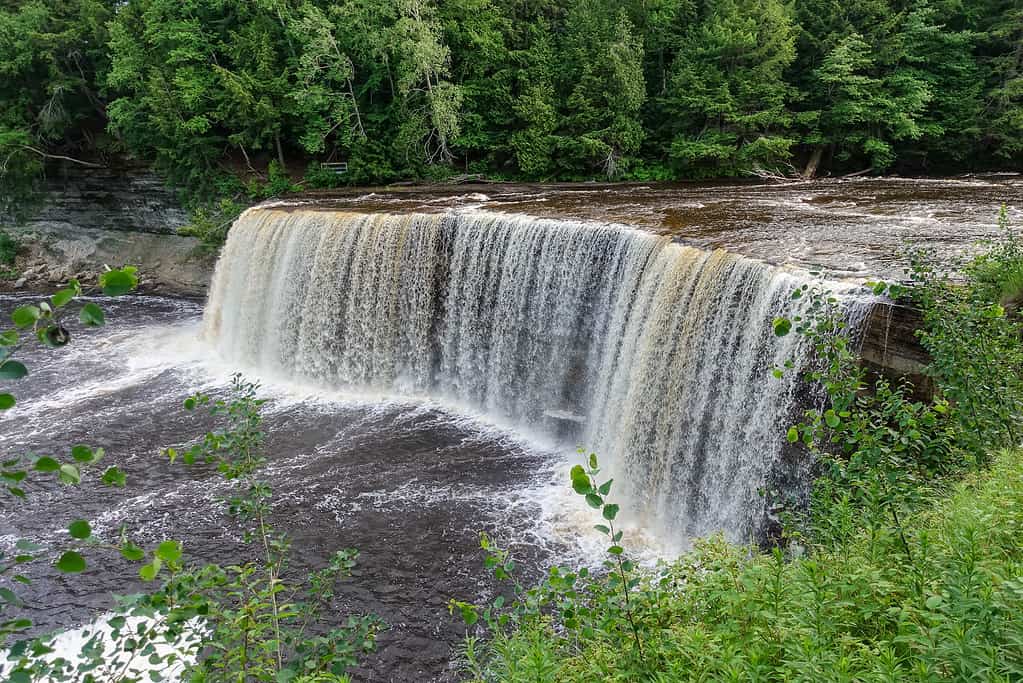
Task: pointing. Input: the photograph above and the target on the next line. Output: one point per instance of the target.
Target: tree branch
(61, 156)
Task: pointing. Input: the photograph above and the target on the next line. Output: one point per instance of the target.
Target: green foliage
(52, 55)
(880, 579)
(42, 323)
(587, 606)
(727, 92)
(8, 249)
(860, 611)
(881, 449)
(318, 176)
(256, 620)
(877, 447)
(210, 223)
(210, 90)
(240, 622)
(972, 332)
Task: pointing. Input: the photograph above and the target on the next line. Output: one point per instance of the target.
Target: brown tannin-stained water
(852, 228)
(432, 362)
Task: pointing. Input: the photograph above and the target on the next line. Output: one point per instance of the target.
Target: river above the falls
(854, 227)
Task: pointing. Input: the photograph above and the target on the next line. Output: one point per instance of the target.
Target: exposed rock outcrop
(89, 218)
(890, 346)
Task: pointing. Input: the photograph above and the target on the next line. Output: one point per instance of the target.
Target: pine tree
(601, 79)
(727, 92)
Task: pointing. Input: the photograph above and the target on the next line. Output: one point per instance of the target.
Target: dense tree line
(535, 89)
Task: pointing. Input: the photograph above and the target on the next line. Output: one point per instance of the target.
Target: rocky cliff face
(89, 218)
(890, 346)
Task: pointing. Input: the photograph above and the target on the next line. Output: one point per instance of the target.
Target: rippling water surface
(408, 484)
(854, 227)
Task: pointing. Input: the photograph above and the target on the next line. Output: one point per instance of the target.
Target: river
(663, 361)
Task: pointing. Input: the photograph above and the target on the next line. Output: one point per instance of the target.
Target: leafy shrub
(972, 331)
(882, 578)
(210, 223)
(319, 177)
(206, 622)
(861, 611)
(8, 249)
(278, 181)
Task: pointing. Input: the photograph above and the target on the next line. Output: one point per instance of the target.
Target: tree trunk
(280, 150)
(815, 159)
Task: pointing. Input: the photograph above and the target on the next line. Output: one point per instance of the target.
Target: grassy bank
(950, 608)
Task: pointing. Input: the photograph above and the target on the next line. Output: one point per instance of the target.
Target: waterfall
(661, 352)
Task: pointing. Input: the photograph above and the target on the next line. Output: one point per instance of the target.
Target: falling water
(660, 353)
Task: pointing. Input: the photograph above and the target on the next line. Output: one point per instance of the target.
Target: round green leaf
(118, 282)
(114, 477)
(80, 529)
(6, 401)
(9, 596)
(82, 453)
(782, 326)
(169, 551)
(47, 464)
(12, 369)
(149, 571)
(9, 338)
(69, 474)
(62, 297)
(24, 316)
(71, 563)
(92, 315)
(580, 480)
(132, 552)
(792, 435)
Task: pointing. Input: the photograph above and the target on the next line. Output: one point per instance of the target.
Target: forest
(210, 91)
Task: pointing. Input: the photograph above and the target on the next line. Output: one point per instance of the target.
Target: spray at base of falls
(661, 352)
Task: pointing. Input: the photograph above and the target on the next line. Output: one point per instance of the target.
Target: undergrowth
(863, 611)
(905, 565)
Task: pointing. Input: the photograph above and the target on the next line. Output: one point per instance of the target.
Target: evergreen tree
(201, 78)
(478, 33)
(860, 89)
(1002, 55)
(942, 43)
(52, 60)
(726, 90)
(533, 141)
(532, 89)
(866, 106)
(601, 79)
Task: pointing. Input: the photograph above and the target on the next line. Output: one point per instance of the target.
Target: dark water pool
(409, 484)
